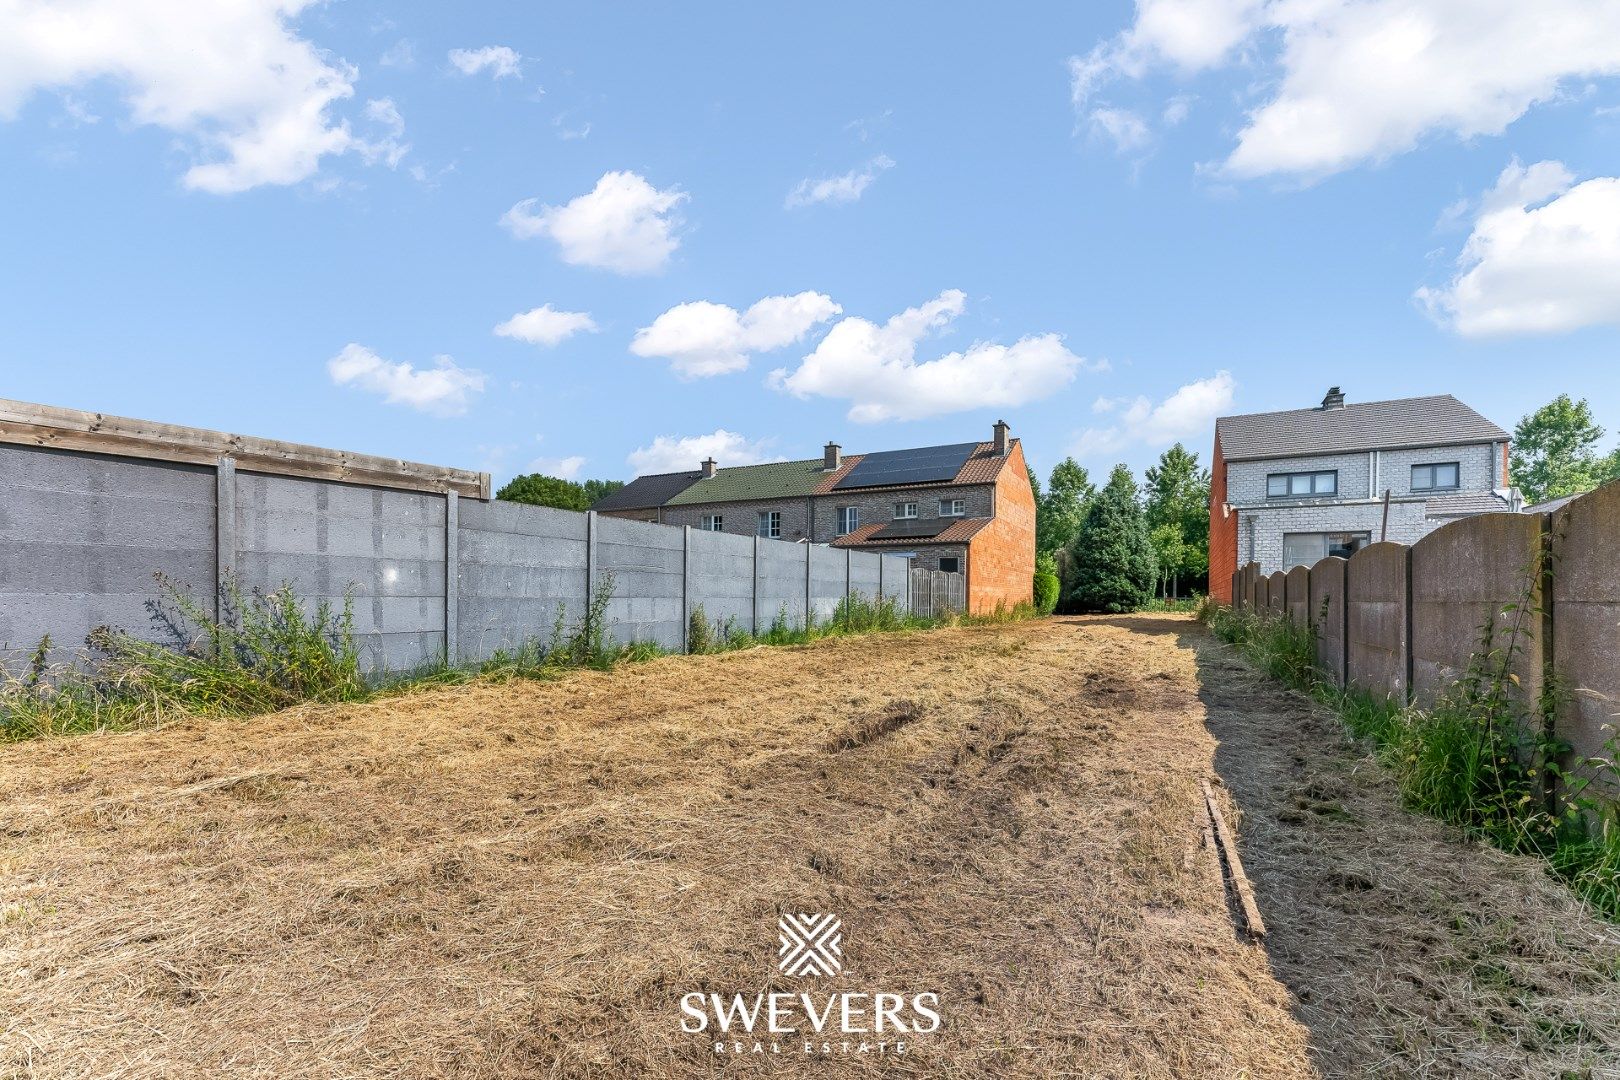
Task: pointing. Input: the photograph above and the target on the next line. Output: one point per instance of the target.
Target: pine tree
(1111, 563)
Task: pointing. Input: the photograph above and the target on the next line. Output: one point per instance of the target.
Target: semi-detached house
(961, 507)
(1289, 488)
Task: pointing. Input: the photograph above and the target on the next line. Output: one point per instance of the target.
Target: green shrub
(1047, 585)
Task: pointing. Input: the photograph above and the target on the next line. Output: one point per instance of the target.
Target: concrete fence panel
(517, 566)
(722, 579)
(780, 583)
(1585, 534)
(829, 581)
(1463, 575)
(383, 548)
(1297, 596)
(81, 536)
(647, 564)
(865, 574)
(1277, 593)
(1327, 580)
(897, 578)
(1377, 634)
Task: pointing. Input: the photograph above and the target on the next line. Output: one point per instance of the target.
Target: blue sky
(1108, 223)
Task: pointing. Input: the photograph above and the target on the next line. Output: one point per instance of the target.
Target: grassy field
(525, 879)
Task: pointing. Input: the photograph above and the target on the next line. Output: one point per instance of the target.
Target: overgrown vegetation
(1483, 757)
(267, 651)
(538, 489)
(1047, 584)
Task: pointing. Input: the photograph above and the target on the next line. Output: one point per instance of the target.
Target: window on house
(952, 507)
(1438, 477)
(1301, 485)
(713, 523)
(1308, 549)
(951, 564)
(770, 524)
(849, 519)
(905, 510)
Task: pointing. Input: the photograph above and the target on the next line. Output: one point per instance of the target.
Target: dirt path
(524, 880)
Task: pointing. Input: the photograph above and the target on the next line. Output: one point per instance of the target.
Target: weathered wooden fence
(935, 593)
(1405, 622)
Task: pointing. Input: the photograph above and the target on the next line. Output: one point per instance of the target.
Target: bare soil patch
(523, 879)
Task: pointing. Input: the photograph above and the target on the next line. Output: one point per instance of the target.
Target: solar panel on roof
(912, 530)
(925, 465)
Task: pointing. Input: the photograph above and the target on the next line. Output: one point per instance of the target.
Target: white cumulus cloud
(876, 367)
(684, 453)
(254, 99)
(845, 188)
(564, 468)
(702, 338)
(1355, 81)
(443, 390)
(500, 61)
(1188, 413)
(624, 224)
(546, 326)
(1125, 129)
(1543, 257)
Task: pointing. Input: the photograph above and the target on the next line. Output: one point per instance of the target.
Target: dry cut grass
(522, 880)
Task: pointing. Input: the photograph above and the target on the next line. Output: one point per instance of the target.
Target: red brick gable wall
(1001, 557)
(1223, 530)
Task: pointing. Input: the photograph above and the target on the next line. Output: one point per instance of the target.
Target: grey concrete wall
(1463, 576)
(81, 536)
(517, 565)
(722, 575)
(1376, 621)
(647, 564)
(1586, 621)
(384, 549)
(779, 581)
(1328, 609)
(1297, 595)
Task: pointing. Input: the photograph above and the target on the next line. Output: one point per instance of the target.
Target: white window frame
(712, 523)
(1363, 535)
(770, 525)
(849, 519)
(953, 508)
(905, 511)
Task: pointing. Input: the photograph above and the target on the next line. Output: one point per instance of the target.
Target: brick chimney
(708, 467)
(1334, 399)
(1003, 444)
(832, 457)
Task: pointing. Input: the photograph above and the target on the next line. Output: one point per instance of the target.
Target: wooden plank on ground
(1240, 881)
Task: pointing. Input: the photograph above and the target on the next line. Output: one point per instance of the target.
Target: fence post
(755, 629)
(848, 565)
(452, 560)
(590, 557)
(1406, 630)
(224, 535)
(686, 588)
(807, 587)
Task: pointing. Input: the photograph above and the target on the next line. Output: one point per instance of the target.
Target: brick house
(1290, 488)
(963, 507)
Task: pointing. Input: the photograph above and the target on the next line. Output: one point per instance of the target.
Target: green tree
(1555, 451)
(1112, 566)
(1177, 500)
(538, 489)
(1047, 585)
(1059, 512)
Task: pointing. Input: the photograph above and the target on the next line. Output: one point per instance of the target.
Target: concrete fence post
(755, 628)
(686, 588)
(452, 574)
(224, 535)
(848, 574)
(882, 563)
(807, 586)
(590, 558)
(1406, 633)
